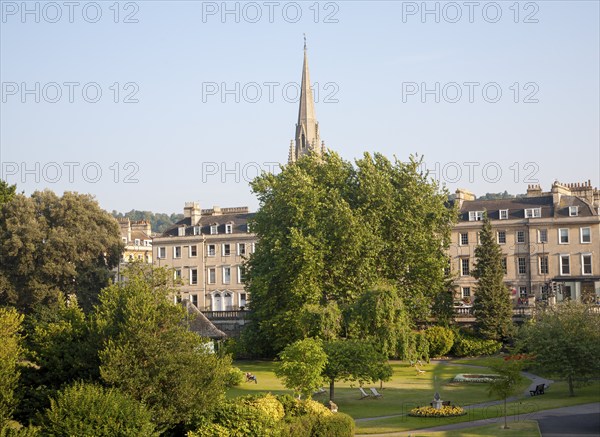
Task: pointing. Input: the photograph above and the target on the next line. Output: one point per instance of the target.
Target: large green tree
(150, 354)
(379, 315)
(329, 229)
(492, 307)
(301, 366)
(11, 351)
(565, 341)
(353, 360)
(51, 245)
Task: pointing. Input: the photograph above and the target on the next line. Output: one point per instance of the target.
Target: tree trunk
(571, 388)
(381, 384)
(331, 382)
(505, 424)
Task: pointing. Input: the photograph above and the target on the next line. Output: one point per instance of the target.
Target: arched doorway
(217, 303)
(228, 301)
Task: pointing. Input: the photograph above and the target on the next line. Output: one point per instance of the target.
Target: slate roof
(199, 324)
(240, 224)
(516, 207)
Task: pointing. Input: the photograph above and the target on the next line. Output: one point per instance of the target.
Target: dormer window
(229, 228)
(573, 211)
(196, 230)
(214, 229)
(503, 213)
(475, 216)
(137, 241)
(533, 212)
(181, 231)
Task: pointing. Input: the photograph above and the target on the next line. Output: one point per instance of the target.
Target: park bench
(539, 390)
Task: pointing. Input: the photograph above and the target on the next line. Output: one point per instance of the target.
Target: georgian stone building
(207, 251)
(546, 238)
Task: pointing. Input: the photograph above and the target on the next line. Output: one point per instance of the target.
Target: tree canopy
(329, 229)
(301, 366)
(565, 342)
(51, 245)
(159, 222)
(149, 353)
(492, 307)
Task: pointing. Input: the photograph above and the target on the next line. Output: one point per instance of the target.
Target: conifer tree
(492, 307)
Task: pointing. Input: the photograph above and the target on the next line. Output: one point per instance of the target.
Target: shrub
(336, 425)
(412, 346)
(294, 407)
(445, 411)
(466, 345)
(300, 426)
(91, 410)
(251, 416)
(210, 430)
(440, 340)
(233, 377)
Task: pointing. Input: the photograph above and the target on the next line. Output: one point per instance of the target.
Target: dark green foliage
(440, 340)
(301, 426)
(61, 344)
(54, 245)
(379, 316)
(467, 345)
(325, 226)
(352, 360)
(159, 222)
(11, 350)
(150, 355)
(7, 192)
(421, 347)
(337, 425)
(492, 307)
(413, 345)
(89, 410)
(565, 342)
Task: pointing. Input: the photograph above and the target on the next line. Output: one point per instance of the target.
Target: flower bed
(468, 377)
(447, 411)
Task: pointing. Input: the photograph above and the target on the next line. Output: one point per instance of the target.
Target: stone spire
(307, 137)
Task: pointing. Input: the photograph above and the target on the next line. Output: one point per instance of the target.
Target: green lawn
(528, 428)
(408, 389)
(557, 396)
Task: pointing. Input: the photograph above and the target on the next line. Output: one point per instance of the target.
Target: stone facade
(207, 251)
(546, 238)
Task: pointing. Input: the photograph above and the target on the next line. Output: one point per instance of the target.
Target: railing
(466, 312)
(227, 315)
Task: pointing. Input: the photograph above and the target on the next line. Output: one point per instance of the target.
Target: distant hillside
(158, 221)
(498, 196)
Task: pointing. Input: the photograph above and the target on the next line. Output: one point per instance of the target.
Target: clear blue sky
(371, 61)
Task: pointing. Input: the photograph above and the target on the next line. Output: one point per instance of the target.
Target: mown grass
(407, 389)
(525, 408)
(528, 428)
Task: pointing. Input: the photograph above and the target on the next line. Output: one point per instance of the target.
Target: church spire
(307, 138)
